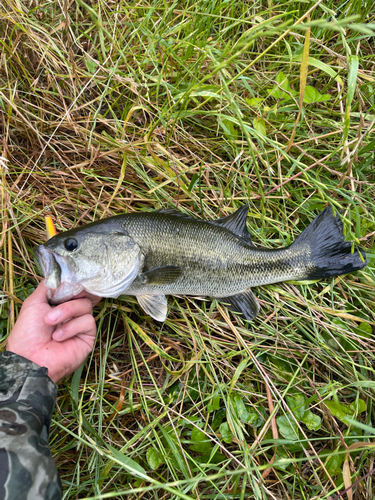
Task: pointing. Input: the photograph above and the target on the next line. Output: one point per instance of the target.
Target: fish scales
(214, 261)
(154, 254)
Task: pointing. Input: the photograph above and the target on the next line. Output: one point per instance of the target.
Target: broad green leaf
(174, 452)
(207, 456)
(215, 405)
(229, 129)
(254, 102)
(195, 420)
(296, 403)
(337, 409)
(313, 95)
(76, 381)
(201, 447)
(218, 418)
(91, 65)
(353, 435)
(344, 412)
(153, 458)
(324, 97)
(281, 459)
(366, 328)
(225, 432)
(197, 435)
(240, 408)
(358, 406)
(257, 418)
(260, 126)
(287, 427)
(252, 419)
(333, 465)
(283, 84)
(312, 421)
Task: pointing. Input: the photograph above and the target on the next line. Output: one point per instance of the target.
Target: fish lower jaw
(63, 293)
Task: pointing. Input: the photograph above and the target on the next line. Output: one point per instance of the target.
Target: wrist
(33, 359)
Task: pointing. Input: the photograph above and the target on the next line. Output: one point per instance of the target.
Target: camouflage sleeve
(27, 398)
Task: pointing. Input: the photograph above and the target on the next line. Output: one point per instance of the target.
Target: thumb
(39, 296)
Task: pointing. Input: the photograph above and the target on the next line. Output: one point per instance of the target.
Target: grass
(110, 107)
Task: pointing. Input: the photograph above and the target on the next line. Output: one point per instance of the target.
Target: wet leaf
(240, 408)
(197, 435)
(337, 409)
(288, 428)
(333, 465)
(254, 102)
(218, 418)
(215, 405)
(297, 405)
(313, 422)
(283, 84)
(313, 95)
(153, 458)
(358, 406)
(225, 432)
(260, 126)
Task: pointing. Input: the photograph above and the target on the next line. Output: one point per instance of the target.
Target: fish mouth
(50, 267)
(59, 281)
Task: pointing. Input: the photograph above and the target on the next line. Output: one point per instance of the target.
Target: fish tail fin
(330, 254)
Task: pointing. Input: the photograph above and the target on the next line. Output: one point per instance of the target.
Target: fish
(165, 252)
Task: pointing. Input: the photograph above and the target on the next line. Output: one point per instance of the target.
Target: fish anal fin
(236, 223)
(244, 302)
(154, 305)
(163, 275)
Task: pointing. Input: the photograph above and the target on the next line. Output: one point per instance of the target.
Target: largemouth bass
(154, 254)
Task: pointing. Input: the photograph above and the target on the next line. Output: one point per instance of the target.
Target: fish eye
(71, 244)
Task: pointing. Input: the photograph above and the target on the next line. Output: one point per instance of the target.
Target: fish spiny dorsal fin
(236, 223)
(174, 212)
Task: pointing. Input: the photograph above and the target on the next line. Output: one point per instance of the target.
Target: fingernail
(58, 334)
(54, 315)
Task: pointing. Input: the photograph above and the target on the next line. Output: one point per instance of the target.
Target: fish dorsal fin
(236, 223)
(154, 305)
(163, 275)
(174, 212)
(244, 302)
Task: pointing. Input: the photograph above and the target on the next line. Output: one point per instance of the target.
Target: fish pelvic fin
(330, 254)
(244, 302)
(154, 305)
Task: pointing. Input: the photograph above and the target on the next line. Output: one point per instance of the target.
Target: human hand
(58, 337)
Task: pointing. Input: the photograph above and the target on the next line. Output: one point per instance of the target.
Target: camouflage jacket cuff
(23, 381)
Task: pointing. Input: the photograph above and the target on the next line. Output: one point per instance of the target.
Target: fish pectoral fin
(154, 305)
(236, 223)
(244, 302)
(163, 275)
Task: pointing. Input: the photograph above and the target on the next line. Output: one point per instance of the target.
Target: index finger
(71, 309)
